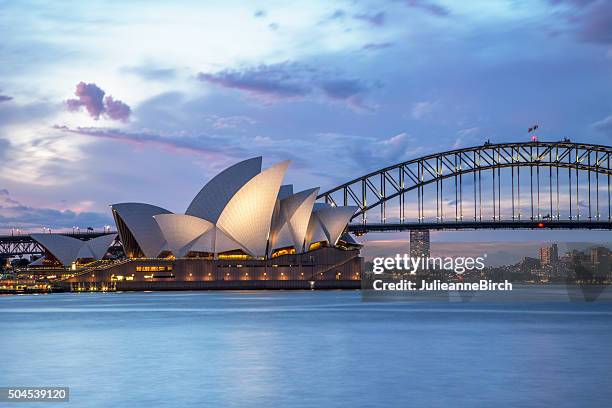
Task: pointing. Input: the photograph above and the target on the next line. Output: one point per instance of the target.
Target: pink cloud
(91, 97)
(116, 109)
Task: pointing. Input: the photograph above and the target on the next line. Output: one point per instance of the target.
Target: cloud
(430, 7)
(5, 98)
(229, 122)
(290, 81)
(348, 90)
(373, 19)
(591, 20)
(116, 110)
(198, 145)
(5, 198)
(14, 214)
(271, 82)
(13, 113)
(377, 19)
(376, 46)
(91, 97)
(337, 14)
(465, 135)
(422, 109)
(151, 72)
(4, 146)
(218, 148)
(604, 126)
(371, 153)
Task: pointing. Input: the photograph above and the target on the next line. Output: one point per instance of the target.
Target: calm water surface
(305, 349)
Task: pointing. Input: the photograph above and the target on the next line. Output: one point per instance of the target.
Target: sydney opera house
(244, 229)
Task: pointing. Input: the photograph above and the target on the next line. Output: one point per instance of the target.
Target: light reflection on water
(304, 349)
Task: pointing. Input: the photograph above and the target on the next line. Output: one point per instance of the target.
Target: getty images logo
(406, 263)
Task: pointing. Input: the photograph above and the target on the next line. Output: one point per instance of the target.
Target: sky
(113, 101)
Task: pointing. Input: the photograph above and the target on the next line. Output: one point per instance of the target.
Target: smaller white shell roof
(64, 249)
(138, 218)
(99, 246)
(333, 220)
(180, 231)
(37, 262)
(85, 252)
(215, 241)
(292, 219)
(67, 249)
(315, 232)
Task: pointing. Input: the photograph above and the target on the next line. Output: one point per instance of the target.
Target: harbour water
(305, 349)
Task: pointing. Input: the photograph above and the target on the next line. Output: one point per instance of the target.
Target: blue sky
(173, 92)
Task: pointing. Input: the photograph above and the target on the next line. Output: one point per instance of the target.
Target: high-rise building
(549, 255)
(600, 260)
(419, 243)
(598, 254)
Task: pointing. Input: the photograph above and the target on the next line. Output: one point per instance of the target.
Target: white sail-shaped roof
(205, 242)
(315, 232)
(291, 222)
(281, 238)
(138, 218)
(210, 202)
(215, 241)
(333, 220)
(180, 231)
(85, 252)
(67, 249)
(224, 243)
(40, 261)
(64, 249)
(99, 246)
(247, 216)
(298, 208)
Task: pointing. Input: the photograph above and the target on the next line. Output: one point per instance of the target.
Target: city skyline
(88, 118)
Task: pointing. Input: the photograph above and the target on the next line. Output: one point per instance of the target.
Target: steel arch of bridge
(539, 157)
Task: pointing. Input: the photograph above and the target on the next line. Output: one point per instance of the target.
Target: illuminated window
(315, 245)
(154, 268)
(234, 255)
(283, 251)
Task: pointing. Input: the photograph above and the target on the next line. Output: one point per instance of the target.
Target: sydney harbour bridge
(526, 185)
(551, 185)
